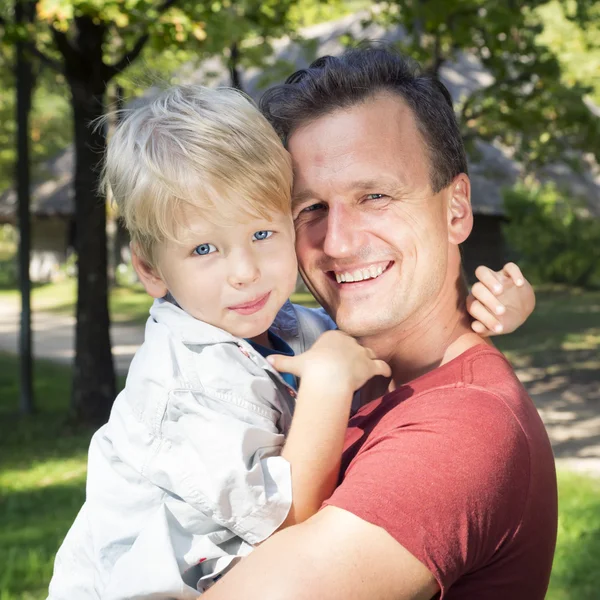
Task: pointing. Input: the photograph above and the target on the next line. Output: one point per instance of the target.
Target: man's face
(371, 236)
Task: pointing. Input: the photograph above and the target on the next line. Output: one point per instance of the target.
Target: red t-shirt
(457, 467)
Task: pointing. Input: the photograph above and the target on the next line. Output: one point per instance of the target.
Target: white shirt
(186, 476)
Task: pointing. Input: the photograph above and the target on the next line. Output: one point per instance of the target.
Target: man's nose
(243, 268)
(343, 231)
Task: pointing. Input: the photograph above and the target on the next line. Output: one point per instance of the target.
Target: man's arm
(333, 555)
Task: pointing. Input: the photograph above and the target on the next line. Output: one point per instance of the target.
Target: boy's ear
(152, 282)
(460, 214)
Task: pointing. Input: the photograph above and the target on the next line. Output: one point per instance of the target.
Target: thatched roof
(52, 196)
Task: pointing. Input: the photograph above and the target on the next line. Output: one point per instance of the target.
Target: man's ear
(460, 214)
(151, 280)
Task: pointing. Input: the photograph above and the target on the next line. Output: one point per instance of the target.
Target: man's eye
(312, 207)
(204, 249)
(375, 196)
(262, 235)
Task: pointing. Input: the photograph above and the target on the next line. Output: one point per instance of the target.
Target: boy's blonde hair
(211, 149)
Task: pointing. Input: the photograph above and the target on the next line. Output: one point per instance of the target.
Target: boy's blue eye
(262, 235)
(203, 249)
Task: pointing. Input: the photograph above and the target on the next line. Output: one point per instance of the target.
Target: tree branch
(438, 59)
(128, 57)
(166, 5)
(64, 46)
(45, 59)
(131, 55)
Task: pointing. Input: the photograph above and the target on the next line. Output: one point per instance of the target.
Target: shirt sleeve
(449, 483)
(221, 456)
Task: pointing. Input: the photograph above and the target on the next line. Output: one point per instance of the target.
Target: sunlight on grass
(127, 304)
(44, 474)
(575, 574)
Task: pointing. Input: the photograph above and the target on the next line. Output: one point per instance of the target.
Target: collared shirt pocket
(221, 455)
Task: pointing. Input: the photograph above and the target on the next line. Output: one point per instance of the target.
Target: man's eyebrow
(374, 185)
(302, 196)
(381, 184)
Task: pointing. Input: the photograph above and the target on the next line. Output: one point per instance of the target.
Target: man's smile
(359, 274)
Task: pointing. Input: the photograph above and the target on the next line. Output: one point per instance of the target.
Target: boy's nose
(243, 269)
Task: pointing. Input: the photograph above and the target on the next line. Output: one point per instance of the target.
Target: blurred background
(525, 78)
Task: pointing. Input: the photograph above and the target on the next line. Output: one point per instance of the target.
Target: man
(447, 484)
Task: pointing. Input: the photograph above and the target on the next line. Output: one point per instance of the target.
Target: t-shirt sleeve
(448, 481)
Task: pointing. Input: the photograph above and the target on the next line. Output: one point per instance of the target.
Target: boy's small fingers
(482, 293)
(382, 368)
(488, 278)
(283, 364)
(478, 327)
(485, 317)
(370, 353)
(511, 270)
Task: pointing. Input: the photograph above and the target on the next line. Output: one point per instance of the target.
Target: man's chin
(359, 325)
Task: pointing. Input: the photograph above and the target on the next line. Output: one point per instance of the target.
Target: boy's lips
(249, 308)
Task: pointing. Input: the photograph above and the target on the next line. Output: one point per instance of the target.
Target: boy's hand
(337, 360)
(500, 301)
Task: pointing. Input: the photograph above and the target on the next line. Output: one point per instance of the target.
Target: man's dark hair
(332, 83)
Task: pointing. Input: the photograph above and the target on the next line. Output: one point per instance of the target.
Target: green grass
(576, 572)
(42, 477)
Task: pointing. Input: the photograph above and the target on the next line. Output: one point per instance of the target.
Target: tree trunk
(234, 59)
(94, 377)
(24, 12)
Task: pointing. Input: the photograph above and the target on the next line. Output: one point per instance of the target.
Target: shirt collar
(286, 321)
(188, 329)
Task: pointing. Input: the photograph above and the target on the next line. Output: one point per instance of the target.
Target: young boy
(201, 459)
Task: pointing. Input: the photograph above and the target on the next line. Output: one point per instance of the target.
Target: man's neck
(436, 335)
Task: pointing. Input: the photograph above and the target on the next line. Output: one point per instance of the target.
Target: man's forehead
(373, 143)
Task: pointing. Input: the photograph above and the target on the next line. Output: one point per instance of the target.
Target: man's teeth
(360, 274)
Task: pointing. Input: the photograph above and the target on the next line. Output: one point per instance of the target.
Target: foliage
(526, 106)
(575, 40)
(556, 241)
(51, 128)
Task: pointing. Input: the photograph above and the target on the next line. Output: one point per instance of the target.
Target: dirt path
(568, 399)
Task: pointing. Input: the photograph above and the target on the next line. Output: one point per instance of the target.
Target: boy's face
(235, 277)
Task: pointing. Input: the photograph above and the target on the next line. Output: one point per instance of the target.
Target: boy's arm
(501, 301)
(330, 373)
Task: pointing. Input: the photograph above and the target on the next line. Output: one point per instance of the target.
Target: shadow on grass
(47, 434)
(556, 355)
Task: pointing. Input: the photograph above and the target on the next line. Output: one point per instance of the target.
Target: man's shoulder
(476, 402)
(458, 468)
